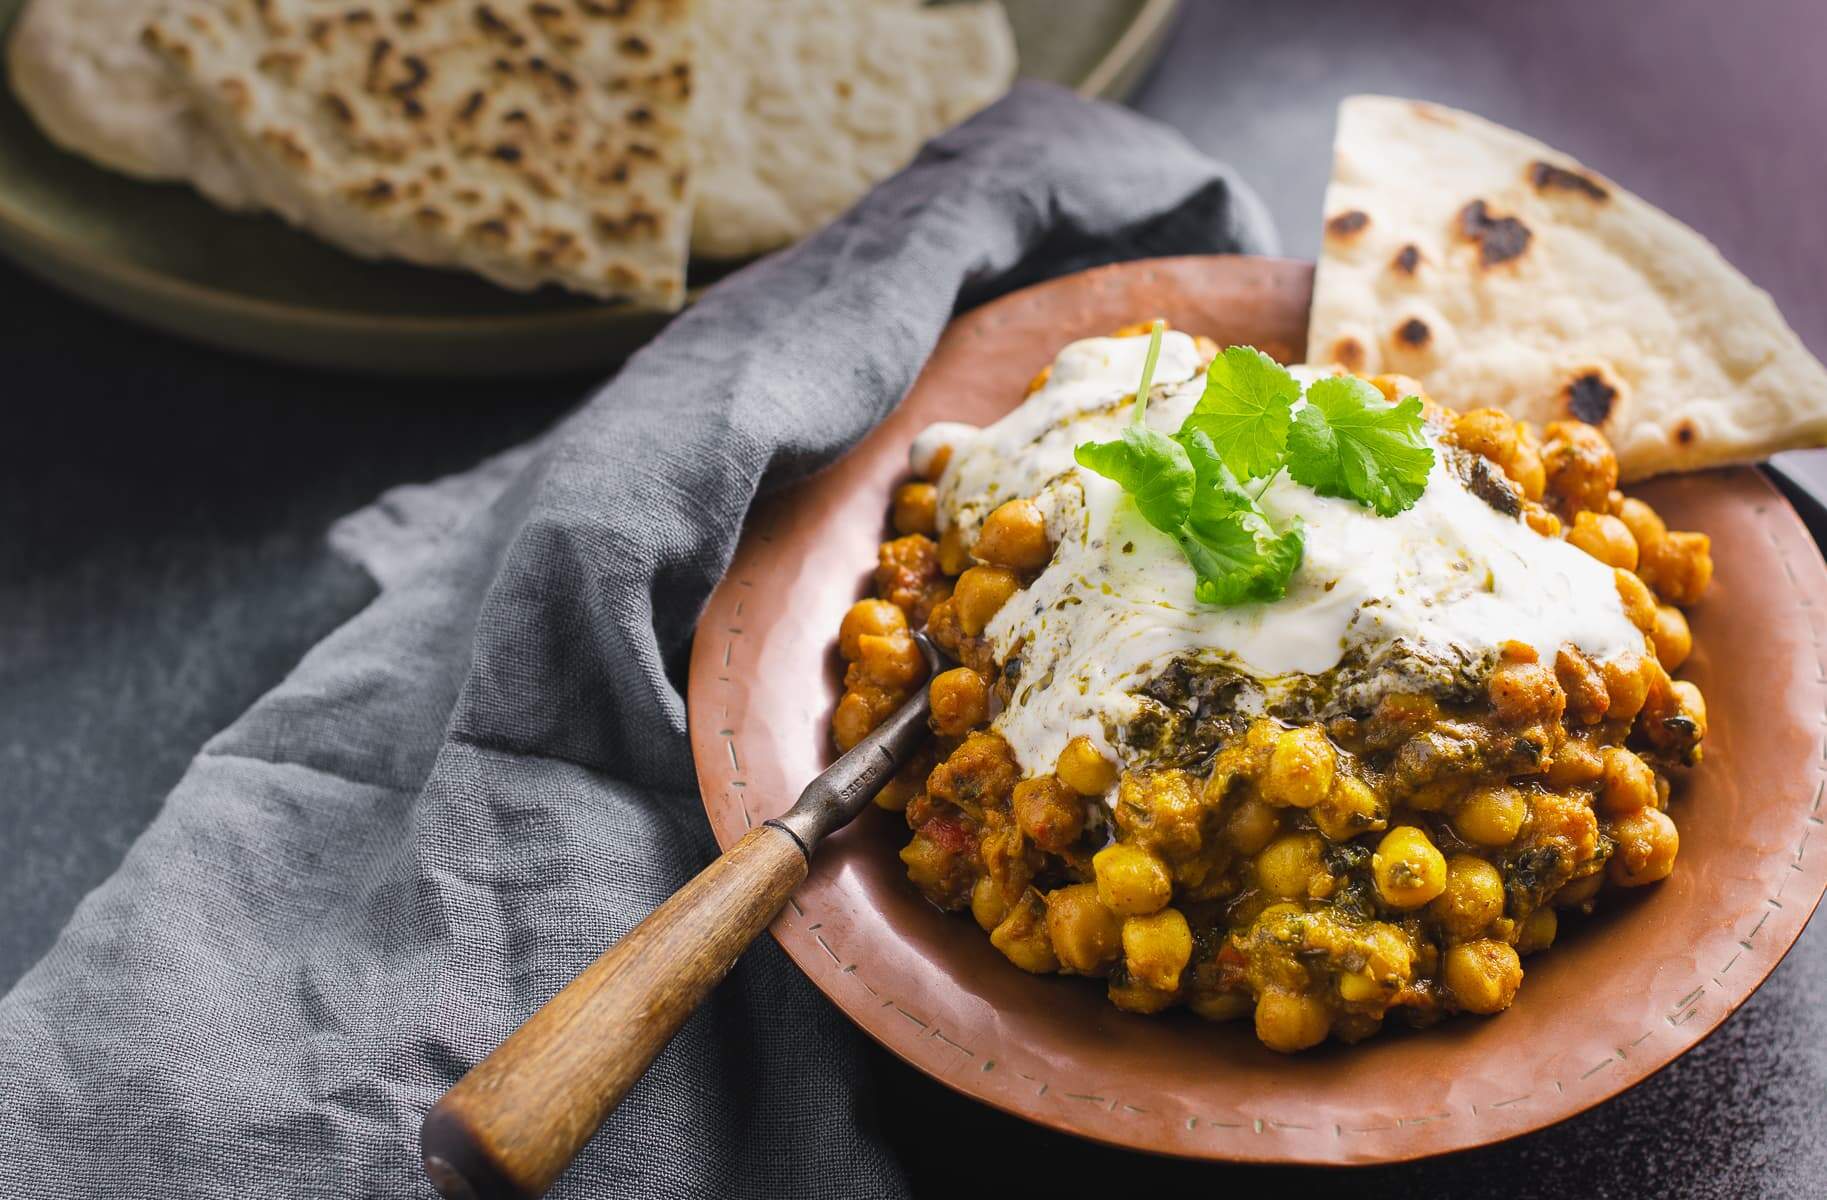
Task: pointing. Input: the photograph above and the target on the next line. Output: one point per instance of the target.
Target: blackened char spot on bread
(1407, 259)
(1348, 352)
(1500, 239)
(1685, 433)
(1347, 223)
(1588, 397)
(1544, 177)
(1413, 332)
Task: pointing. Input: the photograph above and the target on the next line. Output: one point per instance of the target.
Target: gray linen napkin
(464, 794)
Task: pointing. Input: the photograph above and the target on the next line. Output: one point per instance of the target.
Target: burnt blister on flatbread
(1546, 177)
(1348, 352)
(1407, 260)
(1589, 397)
(1413, 333)
(1347, 224)
(1500, 239)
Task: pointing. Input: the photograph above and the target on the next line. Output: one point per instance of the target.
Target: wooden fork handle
(510, 1126)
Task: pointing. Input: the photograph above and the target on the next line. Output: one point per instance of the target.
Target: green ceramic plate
(160, 254)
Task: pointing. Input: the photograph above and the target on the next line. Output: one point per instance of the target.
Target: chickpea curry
(1368, 798)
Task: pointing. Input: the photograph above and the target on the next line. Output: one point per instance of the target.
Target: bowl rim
(715, 748)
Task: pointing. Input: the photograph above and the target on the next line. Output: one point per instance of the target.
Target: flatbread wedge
(79, 68)
(806, 104)
(1500, 272)
(530, 141)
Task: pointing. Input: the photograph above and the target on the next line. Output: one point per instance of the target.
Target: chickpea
(1014, 535)
(990, 904)
(1578, 893)
(1290, 1021)
(1673, 640)
(1156, 948)
(1160, 810)
(1388, 965)
(1627, 680)
(1644, 525)
(1251, 825)
(1023, 937)
(1524, 692)
(1639, 602)
(1085, 934)
(954, 553)
(892, 662)
(906, 783)
(1349, 809)
(935, 466)
(960, 701)
(1221, 1006)
(1051, 814)
(1472, 900)
(1647, 843)
(1131, 882)
(916, 508)
(1357, 987)
(1491, 815)
(1132, 995)
(1286, 867)
(928, 863)
(1300, 768)
(1587, 698)
(1691, 704)
(1526, 466)
(1407, 868)
(852, 721)
(980, 595)
(1483, 975)
(1679, 566)
(1395, 386)
(1674, 716)
(1084, 770)
(1605, 538)
(905, 570)
(876, 617)
(1541, 520)
(981, 770)
(1487, 431)
(1538, 931)
(1629, 784)
(1580, 466)
(1575, 765)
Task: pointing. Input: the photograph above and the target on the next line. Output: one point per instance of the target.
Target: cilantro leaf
(1245, 410)
(1151, 467)
(1236, 554)
(1349, 442)
(1240, 560)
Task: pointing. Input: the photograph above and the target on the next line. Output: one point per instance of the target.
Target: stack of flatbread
(592, 144)
(1499, 272)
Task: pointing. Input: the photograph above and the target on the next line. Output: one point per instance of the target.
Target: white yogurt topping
(1115, 607)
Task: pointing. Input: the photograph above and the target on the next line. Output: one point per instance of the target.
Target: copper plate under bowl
(1620, 996)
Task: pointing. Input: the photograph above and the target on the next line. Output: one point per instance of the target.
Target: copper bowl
(1617, 998)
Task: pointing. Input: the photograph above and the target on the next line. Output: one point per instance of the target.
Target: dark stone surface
(162, 510)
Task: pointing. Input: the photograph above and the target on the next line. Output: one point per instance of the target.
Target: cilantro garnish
(1346, 441)
(1245, 410)
(1236, 553)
